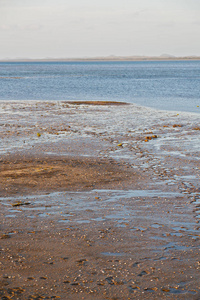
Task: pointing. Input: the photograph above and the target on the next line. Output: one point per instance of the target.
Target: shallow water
(168, 85)
(125, 208)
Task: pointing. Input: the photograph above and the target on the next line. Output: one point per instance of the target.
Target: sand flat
(98, 202)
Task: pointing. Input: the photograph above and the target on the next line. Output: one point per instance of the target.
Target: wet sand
(98, 202)
(30, 175)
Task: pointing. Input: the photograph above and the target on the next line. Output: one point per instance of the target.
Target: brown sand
(97, 103)
(33, 175)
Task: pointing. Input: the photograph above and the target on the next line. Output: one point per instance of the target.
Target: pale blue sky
(79, 28)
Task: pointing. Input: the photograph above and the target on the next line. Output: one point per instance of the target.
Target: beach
(99, 200)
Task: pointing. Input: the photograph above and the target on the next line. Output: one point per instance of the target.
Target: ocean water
(165, 85)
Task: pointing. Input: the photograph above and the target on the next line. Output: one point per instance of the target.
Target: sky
(90, 28)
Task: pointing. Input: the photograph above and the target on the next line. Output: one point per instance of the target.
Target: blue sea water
(167, 85)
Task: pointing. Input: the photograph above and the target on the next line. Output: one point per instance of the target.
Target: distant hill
(106, 58)
(167, 56)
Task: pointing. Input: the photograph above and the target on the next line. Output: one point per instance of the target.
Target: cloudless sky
(88, 28)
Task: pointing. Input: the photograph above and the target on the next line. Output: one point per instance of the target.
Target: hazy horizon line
(106, 58)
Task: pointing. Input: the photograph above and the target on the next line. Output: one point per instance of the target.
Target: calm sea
(168, 85)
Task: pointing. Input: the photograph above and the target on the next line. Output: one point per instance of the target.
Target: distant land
(163, 57)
